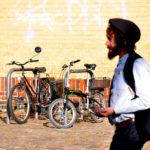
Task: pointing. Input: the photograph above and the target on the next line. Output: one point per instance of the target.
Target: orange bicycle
(23, 97)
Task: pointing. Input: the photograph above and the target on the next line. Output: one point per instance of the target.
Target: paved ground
(40, 134)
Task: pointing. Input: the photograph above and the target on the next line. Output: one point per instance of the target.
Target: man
(121, 38)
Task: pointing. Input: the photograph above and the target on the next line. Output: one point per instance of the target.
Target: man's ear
(125, 42)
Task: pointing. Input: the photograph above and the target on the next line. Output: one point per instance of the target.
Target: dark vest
(142, 118)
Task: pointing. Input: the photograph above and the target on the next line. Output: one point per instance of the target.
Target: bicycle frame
(89, 75)
(33, 92)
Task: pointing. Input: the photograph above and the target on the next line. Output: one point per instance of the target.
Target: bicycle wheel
(19, 103)
(97, 101)
(62, 115)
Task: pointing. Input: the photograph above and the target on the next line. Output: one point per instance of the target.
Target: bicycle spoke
(19, 103)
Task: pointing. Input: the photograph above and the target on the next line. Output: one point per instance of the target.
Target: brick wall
(3, 89)
(78, 84)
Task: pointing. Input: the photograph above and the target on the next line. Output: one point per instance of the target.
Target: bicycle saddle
(39, 70)
(90, 66)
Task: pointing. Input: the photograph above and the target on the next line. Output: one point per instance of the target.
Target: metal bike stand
(8, 87)
(35, 88)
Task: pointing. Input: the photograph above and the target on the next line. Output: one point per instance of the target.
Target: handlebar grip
(73, 62)
(11, 63)
(34, 60)
(76, 61)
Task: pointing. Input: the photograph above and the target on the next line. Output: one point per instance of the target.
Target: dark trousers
(126, 138)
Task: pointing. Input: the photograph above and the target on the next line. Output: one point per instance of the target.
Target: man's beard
(115, 51)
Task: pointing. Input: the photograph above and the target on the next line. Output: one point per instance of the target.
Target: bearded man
(121, 36)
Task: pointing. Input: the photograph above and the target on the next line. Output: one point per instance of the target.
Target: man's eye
(109, 38)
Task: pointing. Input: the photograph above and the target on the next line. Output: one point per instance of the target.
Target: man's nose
(107, 43)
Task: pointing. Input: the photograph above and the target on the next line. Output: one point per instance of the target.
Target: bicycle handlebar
(71, 64)
(78, 60)
(22, 64)
(34, 60)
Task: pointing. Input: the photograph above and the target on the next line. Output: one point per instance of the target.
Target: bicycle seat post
(87, 90)
(87, 84)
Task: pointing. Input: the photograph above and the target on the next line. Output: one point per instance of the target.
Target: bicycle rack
(8, 87)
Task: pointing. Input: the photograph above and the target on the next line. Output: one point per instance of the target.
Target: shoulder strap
(128, 70)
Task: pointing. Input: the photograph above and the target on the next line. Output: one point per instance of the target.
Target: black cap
(130, 29)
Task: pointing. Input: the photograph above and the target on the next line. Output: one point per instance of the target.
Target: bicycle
(62, 112)
(23, 98)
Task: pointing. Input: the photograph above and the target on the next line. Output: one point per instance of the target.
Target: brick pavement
(40, 134)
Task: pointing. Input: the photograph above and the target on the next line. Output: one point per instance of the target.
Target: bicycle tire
(57, 116)
(19, 103)
(97, 101)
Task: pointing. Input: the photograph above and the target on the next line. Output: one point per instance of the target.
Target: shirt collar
(123, 59)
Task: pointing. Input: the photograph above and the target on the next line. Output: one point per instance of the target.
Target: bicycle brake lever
(64, 66)
(34, 60)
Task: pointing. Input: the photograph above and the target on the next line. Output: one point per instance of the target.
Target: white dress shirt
(121, 93)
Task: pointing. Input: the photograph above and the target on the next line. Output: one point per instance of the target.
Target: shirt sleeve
(141, 72)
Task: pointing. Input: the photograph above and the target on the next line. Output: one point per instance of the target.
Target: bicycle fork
(64, 114)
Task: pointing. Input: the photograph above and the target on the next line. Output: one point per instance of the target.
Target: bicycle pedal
(80, 117)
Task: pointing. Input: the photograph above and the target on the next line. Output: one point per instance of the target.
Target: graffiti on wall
(45, 13)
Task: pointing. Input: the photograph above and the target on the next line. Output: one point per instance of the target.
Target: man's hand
(97, 112)
(107, 111)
